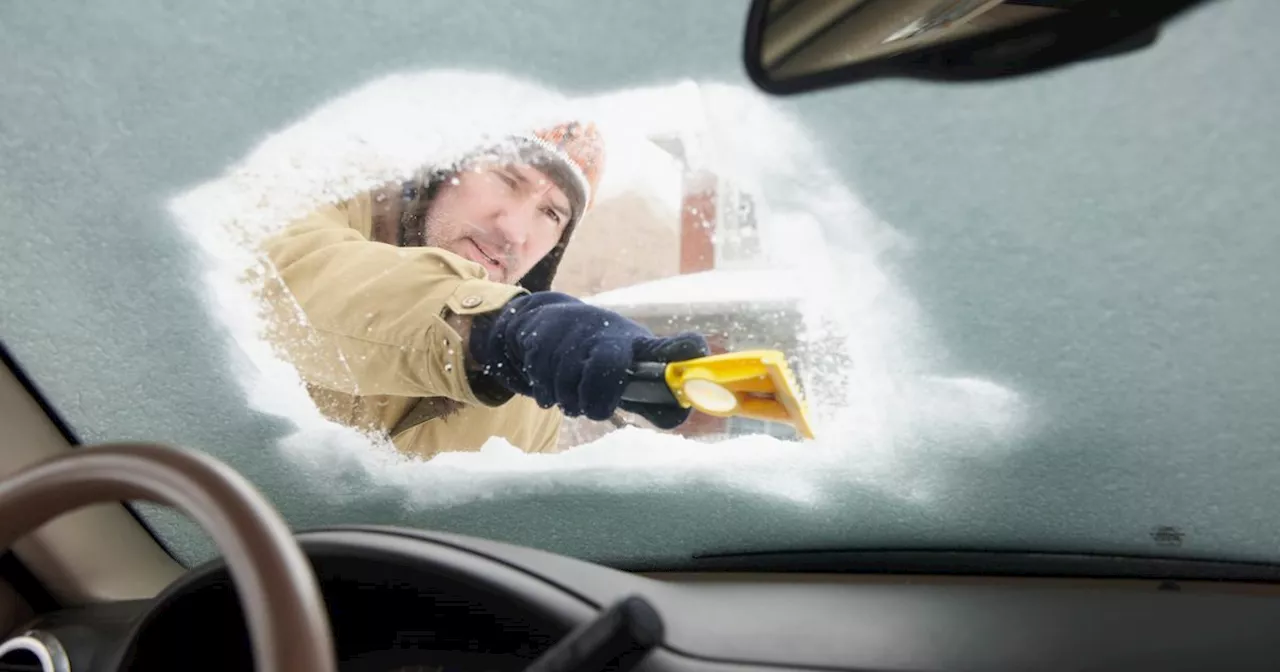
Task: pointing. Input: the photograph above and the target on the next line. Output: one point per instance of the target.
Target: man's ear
(416, 197)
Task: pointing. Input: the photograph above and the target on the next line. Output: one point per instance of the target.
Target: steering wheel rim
(284, 610)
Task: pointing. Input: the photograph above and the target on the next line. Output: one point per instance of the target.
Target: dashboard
(403, 600)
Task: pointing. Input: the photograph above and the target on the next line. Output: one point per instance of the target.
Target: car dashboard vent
(33, 651)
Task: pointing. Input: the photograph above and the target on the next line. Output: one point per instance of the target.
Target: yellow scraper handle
(752, 384)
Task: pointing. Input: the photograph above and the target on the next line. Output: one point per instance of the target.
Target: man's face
(503, 217)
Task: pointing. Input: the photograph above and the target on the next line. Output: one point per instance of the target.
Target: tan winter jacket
(365, 324)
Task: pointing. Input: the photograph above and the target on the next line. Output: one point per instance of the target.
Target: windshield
(1027, 315)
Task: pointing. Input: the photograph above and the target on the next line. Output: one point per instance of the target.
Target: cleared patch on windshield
(717, 213)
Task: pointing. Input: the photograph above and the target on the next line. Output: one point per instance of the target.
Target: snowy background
(1056, 291)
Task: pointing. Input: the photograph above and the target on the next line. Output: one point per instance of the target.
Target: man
(423, 310)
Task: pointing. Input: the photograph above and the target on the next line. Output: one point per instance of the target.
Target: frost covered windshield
(398, 263)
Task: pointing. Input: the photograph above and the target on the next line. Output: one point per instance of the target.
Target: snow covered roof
(712, 291)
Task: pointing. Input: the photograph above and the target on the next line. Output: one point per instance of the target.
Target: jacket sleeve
(368, 318)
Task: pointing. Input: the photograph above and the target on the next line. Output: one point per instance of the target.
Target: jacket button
(472, 301)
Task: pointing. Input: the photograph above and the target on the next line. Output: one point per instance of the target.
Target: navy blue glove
(566, 353)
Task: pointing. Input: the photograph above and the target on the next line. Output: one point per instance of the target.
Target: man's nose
(516, 218)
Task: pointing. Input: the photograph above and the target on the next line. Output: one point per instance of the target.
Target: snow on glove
(566, 353)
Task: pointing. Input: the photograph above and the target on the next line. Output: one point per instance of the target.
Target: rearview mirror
(803, 45)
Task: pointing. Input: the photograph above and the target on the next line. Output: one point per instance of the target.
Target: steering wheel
(288, 623)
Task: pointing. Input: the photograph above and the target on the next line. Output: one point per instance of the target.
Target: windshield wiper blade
(983, 562)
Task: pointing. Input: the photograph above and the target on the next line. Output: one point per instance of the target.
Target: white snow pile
(886, 415)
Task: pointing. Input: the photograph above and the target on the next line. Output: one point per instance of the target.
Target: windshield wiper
(970, 562)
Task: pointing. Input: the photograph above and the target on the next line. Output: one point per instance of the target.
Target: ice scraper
(751, 384)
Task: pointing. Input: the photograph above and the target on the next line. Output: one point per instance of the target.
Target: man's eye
(552, 214)
(507, 179)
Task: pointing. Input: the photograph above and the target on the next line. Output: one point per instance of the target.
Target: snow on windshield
(883, 398)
